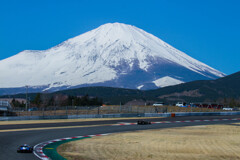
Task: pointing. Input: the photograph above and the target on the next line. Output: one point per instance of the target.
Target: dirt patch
(214, 142)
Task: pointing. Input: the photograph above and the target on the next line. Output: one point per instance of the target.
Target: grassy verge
(51, 149)
(214, 142)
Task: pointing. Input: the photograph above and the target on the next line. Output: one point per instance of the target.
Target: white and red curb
(38, 149)
(186, 121)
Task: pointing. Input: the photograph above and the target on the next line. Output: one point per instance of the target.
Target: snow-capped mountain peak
(114, 54)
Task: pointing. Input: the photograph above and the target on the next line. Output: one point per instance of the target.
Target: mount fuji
(114, 54)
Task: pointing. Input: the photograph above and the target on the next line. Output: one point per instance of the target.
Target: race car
(25, 149)
(143, 122)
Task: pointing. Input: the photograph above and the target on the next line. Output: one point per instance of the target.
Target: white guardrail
(177, 114)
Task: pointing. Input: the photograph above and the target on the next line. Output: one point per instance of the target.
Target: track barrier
(122, 115)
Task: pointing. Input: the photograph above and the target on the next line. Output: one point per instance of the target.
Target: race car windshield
(24, 146)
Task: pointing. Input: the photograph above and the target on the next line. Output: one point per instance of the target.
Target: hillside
(197, 91)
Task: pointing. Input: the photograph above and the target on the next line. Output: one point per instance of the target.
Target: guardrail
(177, 114)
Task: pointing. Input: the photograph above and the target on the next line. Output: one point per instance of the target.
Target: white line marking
(197, 121)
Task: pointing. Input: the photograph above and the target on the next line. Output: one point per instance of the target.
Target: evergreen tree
(232, 103)
(37, 99)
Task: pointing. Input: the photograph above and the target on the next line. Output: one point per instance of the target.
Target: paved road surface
(9, 141)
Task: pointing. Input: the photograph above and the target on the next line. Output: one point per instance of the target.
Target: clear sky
(207, 30)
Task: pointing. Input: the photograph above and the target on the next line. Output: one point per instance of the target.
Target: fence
(78, 110)
(83, 110)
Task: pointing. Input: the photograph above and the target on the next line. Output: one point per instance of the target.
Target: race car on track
(142, 122)
(25, 149)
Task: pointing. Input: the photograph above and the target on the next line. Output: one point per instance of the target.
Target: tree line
(42, 100)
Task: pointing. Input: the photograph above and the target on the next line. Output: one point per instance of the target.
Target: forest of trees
(42, 100)
(16, 103)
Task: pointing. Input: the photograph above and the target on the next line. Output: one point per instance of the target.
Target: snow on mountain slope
(165, 81)
(113, 54)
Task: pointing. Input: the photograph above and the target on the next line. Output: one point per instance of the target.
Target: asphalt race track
(10, 140)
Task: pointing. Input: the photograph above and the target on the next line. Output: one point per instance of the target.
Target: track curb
(38, 149)
(186, 121)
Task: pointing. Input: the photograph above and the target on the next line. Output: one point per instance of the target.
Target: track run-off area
(43, 133)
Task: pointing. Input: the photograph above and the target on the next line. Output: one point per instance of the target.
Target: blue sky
(207, 30)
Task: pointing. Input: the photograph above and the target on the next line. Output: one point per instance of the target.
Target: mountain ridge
(112, 55)
(216, 91)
